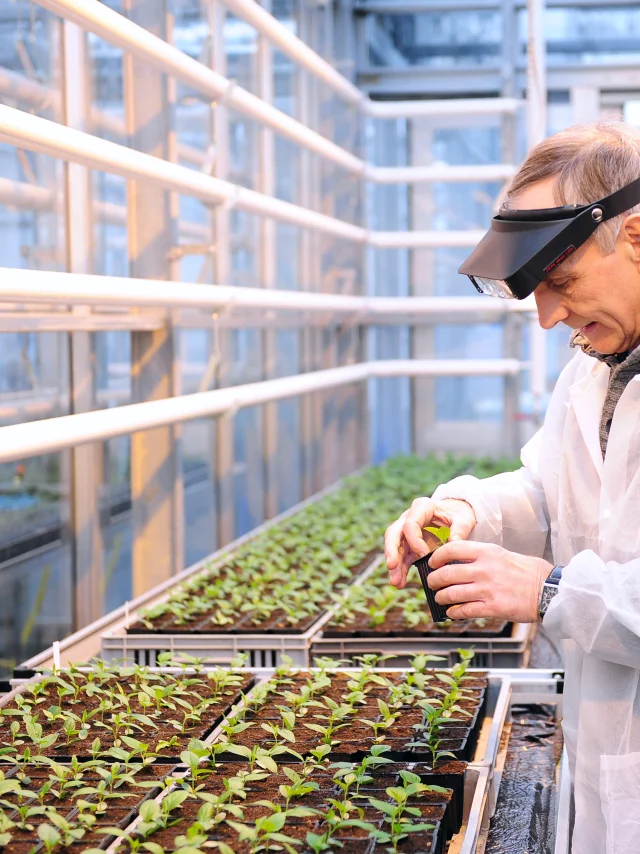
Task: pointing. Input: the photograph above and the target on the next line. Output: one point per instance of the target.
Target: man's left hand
(491, 582)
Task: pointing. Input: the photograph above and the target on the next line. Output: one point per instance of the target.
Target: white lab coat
(577, 511)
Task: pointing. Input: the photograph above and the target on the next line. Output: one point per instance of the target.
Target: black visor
(523, 246)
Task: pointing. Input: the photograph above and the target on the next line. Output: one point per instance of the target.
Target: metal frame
(45, 298)
(54, 434)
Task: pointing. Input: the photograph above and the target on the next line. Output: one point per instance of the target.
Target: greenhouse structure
(235, 348)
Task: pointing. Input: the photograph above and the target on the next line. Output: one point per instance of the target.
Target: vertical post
(422, 266)
(536, 131)
(512, 323)
(224, 450)
(266, 184)
(311, 404)
(87, 545)
(156, 469)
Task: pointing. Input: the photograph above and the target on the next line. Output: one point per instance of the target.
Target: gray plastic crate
(263, 650)
(513, 651)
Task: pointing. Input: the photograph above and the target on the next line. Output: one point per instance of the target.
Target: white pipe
(439, 172)
(424, 239)
(295, 48)
(47, 137)
(35, 93)
(115, 28)
(38, 286)
(56, 288)
(449, 107)
(21, 441)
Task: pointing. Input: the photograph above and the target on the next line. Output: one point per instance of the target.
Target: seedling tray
(263, 649)
(493, 652)
(471, 784)
(63, 750)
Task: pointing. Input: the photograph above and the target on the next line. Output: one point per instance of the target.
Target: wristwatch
(549, 590)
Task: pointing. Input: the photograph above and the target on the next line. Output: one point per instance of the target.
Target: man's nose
(550, 307)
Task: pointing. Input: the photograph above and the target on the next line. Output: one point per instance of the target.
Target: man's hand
(491, 583)
(404, 540)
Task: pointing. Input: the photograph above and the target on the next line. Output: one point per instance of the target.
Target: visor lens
(493, 287)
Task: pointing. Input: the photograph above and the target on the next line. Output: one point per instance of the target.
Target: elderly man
(559, 539)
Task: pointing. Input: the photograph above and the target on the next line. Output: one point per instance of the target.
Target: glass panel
(248, 480)
(469, 398)
(436, 39)
(36, 593)
(589, 35)
(35, 559)
(112, 349)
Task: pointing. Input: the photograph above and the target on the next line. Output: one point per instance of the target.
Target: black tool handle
(438, 612)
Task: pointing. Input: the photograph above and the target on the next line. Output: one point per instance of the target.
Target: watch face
(549, 591)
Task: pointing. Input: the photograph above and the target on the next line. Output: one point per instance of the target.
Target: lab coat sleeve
(598, 607)
(510, 508)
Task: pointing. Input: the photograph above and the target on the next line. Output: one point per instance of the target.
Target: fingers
(457, 594)
(392, 538)
(419, 514)
(468, 611)
(460, 550)
(463, 522)
(460, 573)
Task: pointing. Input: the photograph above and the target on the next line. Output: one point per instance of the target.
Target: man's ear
(631, 233)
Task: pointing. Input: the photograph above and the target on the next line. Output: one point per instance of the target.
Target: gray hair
(589, 162)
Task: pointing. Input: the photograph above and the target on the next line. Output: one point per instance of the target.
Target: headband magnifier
(522, 247)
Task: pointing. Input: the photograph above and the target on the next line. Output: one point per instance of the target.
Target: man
(559, 539)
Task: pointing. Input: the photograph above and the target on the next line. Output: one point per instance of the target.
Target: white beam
(295, 48)
(54, 434)
(439, 172)
(56, 288)
(424, 239)
(47, 137)
(446, 107)
(120, 31)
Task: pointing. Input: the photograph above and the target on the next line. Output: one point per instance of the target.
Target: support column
(224, 446)
(87, 545)
(512, 324)
(536, 131)
(266, 184)
(156, 466)
(311, 404)
(422, 267)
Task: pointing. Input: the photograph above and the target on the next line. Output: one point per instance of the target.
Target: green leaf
(272, 823)
(149, 811)
(442, 533)
(268, 763)
(48, 834)
(383, 806)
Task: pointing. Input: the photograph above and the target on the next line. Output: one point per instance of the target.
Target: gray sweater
(624, 367)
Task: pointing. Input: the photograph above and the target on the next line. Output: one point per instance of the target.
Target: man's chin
(605, 341)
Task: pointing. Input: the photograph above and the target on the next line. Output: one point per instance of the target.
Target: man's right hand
(404, 540)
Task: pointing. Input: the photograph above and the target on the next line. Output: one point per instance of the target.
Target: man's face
(598, 294)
